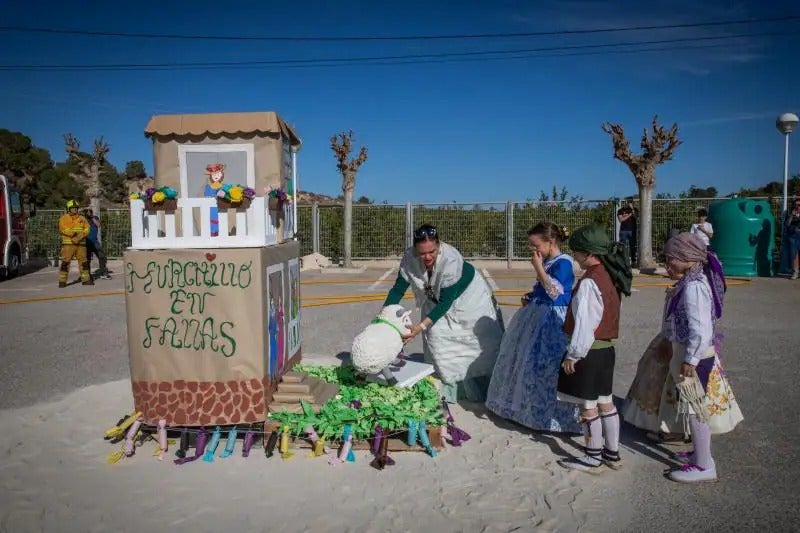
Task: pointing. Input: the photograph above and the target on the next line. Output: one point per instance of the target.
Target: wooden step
(292, 397)
(293, 392)
(302, 387)
(275, 407)
(299, 387)
(293, 377)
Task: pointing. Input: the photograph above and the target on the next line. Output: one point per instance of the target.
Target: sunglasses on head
(424, 234)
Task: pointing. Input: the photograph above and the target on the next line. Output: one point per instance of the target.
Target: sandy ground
(65, 380)
(54, 476)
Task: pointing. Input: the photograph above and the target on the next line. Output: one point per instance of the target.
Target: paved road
(52, 347)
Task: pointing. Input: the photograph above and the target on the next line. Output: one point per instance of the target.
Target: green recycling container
(744, 236)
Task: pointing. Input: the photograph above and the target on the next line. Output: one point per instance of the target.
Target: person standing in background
(94, 245)
(792, 229)
(73, 229)
(703, 228)
(627, 230)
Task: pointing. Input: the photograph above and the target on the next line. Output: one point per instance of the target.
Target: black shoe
(591, 463)
(587, 464)
(90, 282)
(62, 284)
(612, 459)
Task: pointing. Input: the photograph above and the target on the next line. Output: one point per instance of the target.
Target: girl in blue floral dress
(523, 385)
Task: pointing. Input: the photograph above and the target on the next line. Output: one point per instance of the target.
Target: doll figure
(216, 175)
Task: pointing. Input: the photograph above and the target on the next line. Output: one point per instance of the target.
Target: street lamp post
(786, 124)
(295, 189)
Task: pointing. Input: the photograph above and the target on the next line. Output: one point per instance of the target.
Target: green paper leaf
(388, 406)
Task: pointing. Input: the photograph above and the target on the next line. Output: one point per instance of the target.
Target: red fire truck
(13, 230)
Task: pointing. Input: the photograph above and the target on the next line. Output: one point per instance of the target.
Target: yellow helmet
(72, 203)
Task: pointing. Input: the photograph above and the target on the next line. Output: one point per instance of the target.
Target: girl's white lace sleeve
(552, 287)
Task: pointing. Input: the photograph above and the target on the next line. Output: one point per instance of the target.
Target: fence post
(509, 234)
(409, 225)
(315, 227)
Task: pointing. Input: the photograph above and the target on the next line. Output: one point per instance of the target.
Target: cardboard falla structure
(212, 294)
(212, 284)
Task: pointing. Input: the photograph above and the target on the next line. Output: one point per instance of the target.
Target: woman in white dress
(461, 323)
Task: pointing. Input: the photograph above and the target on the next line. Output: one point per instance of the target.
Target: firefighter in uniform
(74, 229)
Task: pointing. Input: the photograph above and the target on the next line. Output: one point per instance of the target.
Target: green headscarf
(593, 239)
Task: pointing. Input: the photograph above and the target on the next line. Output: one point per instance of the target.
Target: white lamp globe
(787, 122)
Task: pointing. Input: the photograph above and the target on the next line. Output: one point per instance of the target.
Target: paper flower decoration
(156, 196)
(236, 194)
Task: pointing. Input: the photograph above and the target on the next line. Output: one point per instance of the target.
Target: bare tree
(89, 167)
(658, 146)
(342, 146)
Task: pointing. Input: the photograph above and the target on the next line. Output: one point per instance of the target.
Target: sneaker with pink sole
(692, 473)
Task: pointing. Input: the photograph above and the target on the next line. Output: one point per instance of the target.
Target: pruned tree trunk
(95, 191)
(645, 237)
(348, 226)
(658, 146)
(342, 146)
(89, 167)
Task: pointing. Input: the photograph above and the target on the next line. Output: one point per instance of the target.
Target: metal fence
(479, 231)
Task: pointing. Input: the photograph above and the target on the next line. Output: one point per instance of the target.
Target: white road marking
(380, 280)
(489, 280)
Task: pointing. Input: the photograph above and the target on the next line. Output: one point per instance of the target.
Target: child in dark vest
(586, 377)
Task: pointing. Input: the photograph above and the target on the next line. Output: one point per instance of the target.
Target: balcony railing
(189, 226)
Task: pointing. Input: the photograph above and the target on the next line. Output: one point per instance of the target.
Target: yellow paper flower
(237, 193)
(134, 196)
(159, 197)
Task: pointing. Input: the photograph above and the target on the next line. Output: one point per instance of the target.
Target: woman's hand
(536, 259)
(569, 366)
(414, 331)
(687, 370)
(526, 299)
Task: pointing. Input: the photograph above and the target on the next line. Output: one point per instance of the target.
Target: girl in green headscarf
(587, 372)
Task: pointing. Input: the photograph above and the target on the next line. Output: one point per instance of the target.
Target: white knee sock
(701, 438)
(611, 430)
(593, 433)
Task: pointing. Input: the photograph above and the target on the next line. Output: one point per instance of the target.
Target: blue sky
(463, 131)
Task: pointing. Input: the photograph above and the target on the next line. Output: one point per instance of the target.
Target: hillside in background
(304, 197)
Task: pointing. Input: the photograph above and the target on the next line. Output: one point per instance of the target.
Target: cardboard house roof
(220, 124)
